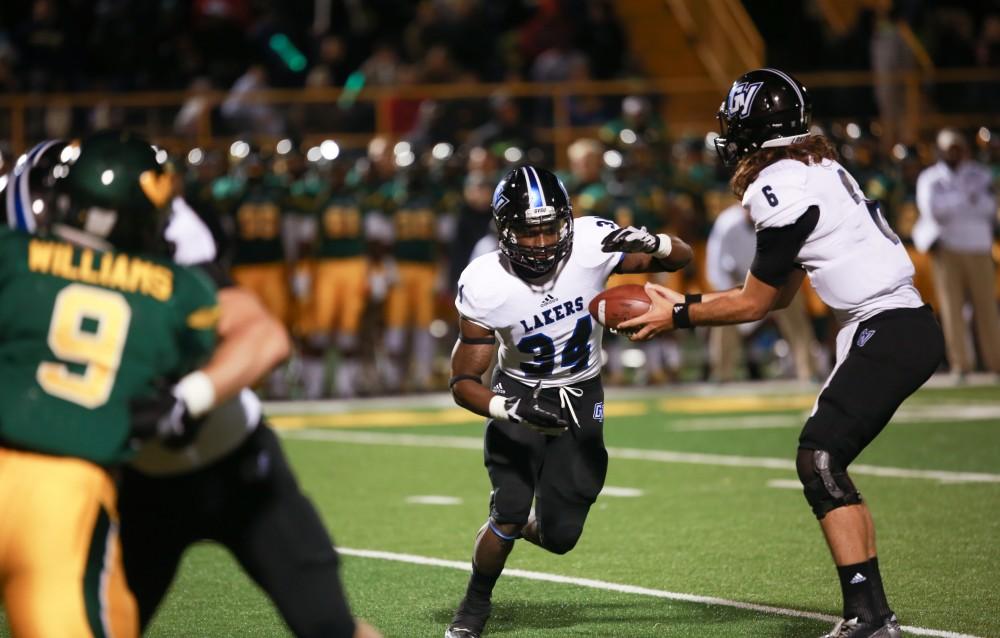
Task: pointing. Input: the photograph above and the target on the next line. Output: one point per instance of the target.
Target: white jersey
(544, 327)
(730, 249)
(855, 262)
(229, 423)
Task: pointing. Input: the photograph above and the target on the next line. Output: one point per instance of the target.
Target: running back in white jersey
(545, 330)
(857, 265)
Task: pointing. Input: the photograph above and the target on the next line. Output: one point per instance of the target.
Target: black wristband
(681, 317)
(464, 377)
(692, 298)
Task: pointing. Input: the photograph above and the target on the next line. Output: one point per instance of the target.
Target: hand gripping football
(619, 303)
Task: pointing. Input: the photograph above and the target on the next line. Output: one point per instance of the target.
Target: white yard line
(625, 589)
(657, 456)
(907, 415)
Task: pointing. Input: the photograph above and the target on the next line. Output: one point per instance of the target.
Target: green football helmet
(116, 191)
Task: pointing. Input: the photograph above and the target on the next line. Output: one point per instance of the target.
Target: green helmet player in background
(93, 318)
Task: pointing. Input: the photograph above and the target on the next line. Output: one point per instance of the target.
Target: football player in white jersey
(811, 218)
(544, 441)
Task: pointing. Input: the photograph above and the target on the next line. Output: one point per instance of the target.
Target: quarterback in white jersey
(544, 443)
(811, 218)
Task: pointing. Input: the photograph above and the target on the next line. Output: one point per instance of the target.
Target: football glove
(163, 416)
(630, 239)
(532, 413)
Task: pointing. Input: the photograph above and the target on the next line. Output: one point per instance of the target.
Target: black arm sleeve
(216, 273)
(777, 248)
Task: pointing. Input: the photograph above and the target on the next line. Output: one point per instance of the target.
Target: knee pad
(560, 537)
(825, 483)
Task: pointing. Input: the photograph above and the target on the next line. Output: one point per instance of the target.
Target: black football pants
(250, 502)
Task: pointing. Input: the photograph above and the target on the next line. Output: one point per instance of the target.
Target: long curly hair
(812, 150)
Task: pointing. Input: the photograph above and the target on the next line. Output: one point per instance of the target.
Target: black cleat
(469, 620)
(853, 628)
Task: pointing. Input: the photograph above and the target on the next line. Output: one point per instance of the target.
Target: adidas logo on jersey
(857, 579)
(498, 389)
(548, 301)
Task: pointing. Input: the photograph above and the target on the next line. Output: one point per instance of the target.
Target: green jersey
(82, 332)
(304, 194)
(257, 214)
(592, 198)
(642, 204)
(415, 221)
(341, 227)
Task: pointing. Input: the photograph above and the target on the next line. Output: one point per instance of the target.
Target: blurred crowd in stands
(358, 249)
(359, 252)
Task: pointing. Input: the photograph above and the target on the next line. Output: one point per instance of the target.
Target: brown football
(619, 303)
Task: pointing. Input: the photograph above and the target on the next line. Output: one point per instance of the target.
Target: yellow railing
(918, 119)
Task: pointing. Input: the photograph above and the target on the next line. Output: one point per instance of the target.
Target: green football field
(702, 530)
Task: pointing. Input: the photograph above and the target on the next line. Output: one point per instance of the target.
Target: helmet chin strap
(785, 141)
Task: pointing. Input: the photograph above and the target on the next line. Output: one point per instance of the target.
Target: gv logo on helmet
(741, 98)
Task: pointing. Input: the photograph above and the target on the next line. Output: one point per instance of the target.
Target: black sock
(878, 593)
(856, 586)
(481, 585)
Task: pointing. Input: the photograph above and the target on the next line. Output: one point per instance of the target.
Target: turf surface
(698, 528)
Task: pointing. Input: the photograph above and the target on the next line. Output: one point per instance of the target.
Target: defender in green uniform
(410, 304)
(90, 319)
(259, 253)
(339, 287)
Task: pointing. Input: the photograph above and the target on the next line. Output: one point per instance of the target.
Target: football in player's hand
(619, 303)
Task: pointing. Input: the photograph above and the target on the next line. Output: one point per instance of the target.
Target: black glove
(532, 413)
(165, 417)
(630, 239)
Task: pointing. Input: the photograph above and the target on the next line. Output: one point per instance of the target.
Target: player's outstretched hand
(630, 239)
(163, 416)
(659, 318)
(532, 413)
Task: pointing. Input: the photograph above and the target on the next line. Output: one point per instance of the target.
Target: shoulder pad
(480, 290)
(779, 195)
(588, 232)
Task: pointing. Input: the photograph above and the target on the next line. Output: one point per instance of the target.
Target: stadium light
(283, 147)
(612, 159)
(442, 151)
(329, 150)
(195, 156)
(314, 154)
(513, 154)
(628, 136)
(405, 159)
(239, 149)
(438, 328)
